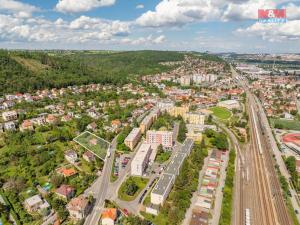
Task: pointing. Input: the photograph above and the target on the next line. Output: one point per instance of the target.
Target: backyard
(93, 143)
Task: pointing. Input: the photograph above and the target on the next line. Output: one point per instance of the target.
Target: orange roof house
(108, 216)
(67, 172)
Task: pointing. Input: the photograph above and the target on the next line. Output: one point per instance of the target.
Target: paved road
(99, 188)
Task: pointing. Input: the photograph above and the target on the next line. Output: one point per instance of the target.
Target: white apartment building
(185, 80)
(164, 138)
(133, 138)
(194, 118)
(9, 115)
(229, 104)
(165, 105)
(162, 189)
(141, 160)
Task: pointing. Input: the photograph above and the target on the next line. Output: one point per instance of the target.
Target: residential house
(92, 126)
(66, 118)
(116, 124)
(67, 172)
(65, 191)
(9, 116)
(88, 156)
(26, 125)
(51, 119)
(79, 207)
(35, 203)
(39, 121)
(108, 217)
(8, 104)
(10, 126)
(71, 156)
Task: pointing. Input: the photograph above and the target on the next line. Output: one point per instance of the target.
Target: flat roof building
(133, 138)
(229, 104)
(141, 160)
(194, 118)
(163, 187)
(164, 138)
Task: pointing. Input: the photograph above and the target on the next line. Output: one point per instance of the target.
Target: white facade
(229, 104)
(162, 189)
(141, 160)
(185, 80)
(194, 118)
(10, 115)
(165, 105)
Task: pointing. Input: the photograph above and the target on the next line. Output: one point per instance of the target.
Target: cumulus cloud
(149, 40)
(20, 9)
(181, 12)
(82, 29)
(75, 6)
(293, 12)
(274, 32)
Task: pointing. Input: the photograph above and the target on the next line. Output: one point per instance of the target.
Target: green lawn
(163, 157)
(221, 112)
(93, 143)
(141, 184)
(285, 124)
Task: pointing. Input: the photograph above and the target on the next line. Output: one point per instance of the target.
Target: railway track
(268, 214)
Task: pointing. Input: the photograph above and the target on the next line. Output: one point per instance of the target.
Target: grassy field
(93, 143)
(140, 182)
(285, 124)
(221, 112)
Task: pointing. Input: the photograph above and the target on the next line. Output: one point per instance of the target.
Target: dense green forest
(25, 71)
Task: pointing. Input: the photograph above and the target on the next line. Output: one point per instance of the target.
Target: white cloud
(75, 6)
(140, 6)
(82, 29)
(293, 12)
(149, 40)
(181, 12)
(115, 27)
(274, 32)
(20, 9)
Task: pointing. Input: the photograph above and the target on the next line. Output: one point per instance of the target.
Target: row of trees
(225, 218)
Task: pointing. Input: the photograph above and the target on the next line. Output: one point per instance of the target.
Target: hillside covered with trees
(25, 71)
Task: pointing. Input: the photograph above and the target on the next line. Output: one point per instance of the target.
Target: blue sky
(199, 25)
